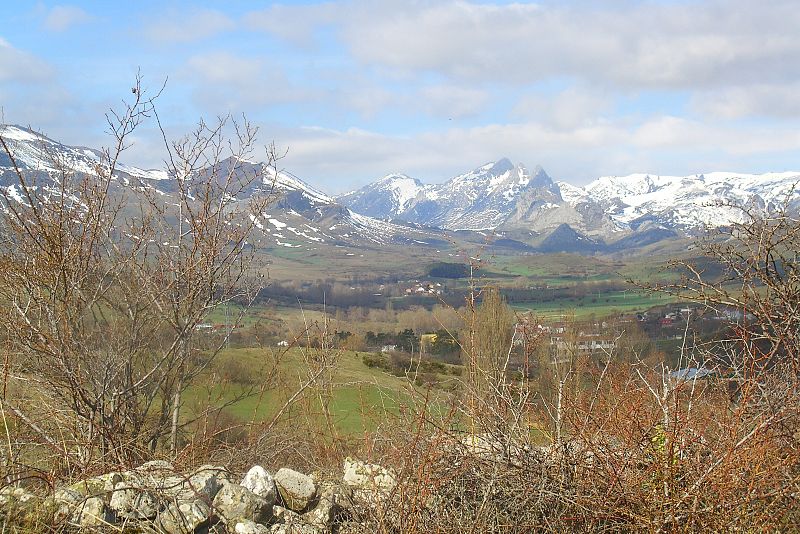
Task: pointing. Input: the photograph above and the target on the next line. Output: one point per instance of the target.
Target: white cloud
(668, 132)
(355, 156)
(666, 145)
(294, 23)
(19, 66)
(222, 67)
(366, 99)
(680, 45)
(62, 18)
(369, 99)
(592, 88)
(570, 108)
(764, 100)
(452, 101)
(225, 82)
(177, 27)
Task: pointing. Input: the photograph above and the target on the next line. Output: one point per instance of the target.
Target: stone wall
(155, 497)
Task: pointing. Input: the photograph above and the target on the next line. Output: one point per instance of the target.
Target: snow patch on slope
(689, 201)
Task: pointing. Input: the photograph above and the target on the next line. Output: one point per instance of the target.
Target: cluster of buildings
(668, 318)
(583, 339)
(424, 288)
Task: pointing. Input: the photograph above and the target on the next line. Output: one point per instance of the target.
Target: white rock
(133, 503)
(295, 528)
(183, 517)
(162, 481)
(206, 481)
(259, 481)
(160, 478)
(67, 495)
(64, 502)
(352, 527)
(250, 527)
(358, 474)
(284, 515)
(329, 504)
(99, 486)
(296, 489)
(11, 495)
(156, 465)
(235, 503)
(91, 512)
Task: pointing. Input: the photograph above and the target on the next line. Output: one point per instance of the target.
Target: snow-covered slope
(301, 216)
(385, 198)
(485, 197)
(611, 213)
(506, 197)
(35, 152)
(498, 195)
(480, 199)
(689, 202)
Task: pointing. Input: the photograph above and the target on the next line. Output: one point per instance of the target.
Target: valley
(347, 267)
(238, 310)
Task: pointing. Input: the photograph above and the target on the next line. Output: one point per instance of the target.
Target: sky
(352, 91)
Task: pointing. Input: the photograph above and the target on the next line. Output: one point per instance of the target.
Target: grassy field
(600, 305)
(556, 269)
(565, 269)
(282, 263)
(359, 396)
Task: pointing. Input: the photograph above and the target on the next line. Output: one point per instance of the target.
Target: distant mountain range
(507, 197)
(302, 217)
(524, 210)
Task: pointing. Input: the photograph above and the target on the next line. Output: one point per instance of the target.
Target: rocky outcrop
(155, 497)
(91, 512)
(131, 502)
(361, 475)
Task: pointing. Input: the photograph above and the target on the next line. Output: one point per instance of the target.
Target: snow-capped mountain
(525, 210)
(388, 197)
(301, 217)
(690, 202)
(485, 197)
(481, 199)
(505, 197)
(496, 196)
(304, 213)
(35, 152)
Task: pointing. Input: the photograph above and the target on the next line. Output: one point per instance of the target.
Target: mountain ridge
(610, 207)
(526, 208)
(301, 217)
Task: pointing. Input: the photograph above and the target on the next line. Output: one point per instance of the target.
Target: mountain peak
(385, 198)
(19, 133)
(500, 166)
(564, 238)
(396, 177)
(540, 178)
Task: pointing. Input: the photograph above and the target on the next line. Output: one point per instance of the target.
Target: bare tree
(758, 286)
(205, 245)
(105, 280)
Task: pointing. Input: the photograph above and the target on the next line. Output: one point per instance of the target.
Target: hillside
(301, 217)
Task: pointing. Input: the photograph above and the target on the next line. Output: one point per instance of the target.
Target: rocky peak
(501, 166)
(540, 178)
